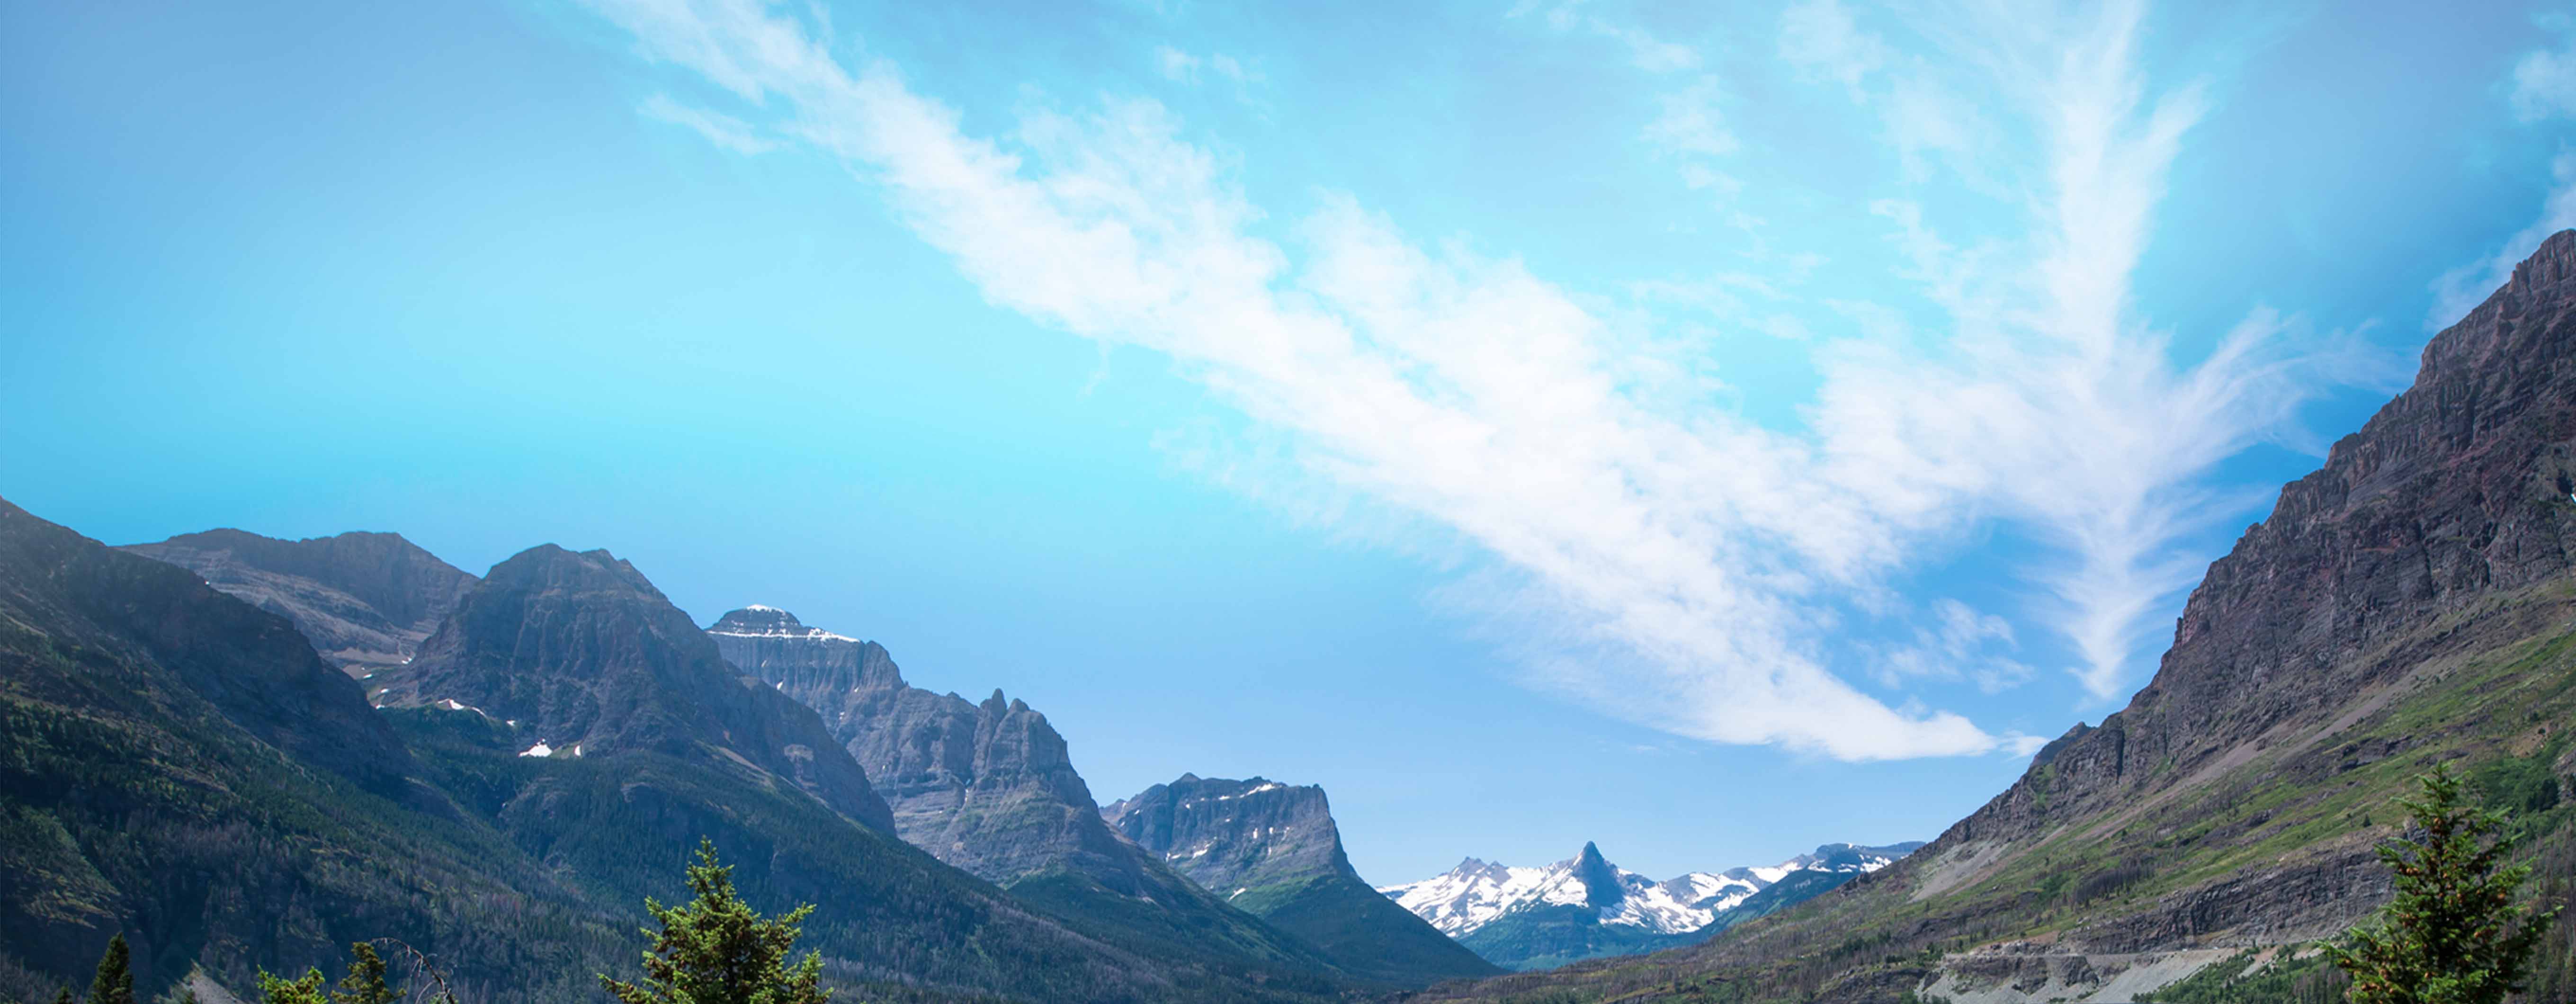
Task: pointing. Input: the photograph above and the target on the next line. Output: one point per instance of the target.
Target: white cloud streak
(2544, 80)
(725, 131)
(1689, 566)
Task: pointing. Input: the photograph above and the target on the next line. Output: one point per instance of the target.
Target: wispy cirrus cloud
(1683, 567)
(724, 131)
(1187, 68)
(1644, 49)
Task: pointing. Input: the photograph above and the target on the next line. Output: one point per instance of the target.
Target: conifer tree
(305, 989)
(63, 996)
(715, 949)
(2451, 935)
(365, 981)
(114, 983)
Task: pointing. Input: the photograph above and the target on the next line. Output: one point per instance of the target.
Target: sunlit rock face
(1273, 850)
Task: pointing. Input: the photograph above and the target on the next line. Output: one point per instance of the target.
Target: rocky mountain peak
(554, 568)
(988, 787)
(1228, 834)
(1273, 849)
(364, 600)
(759, 619)
(1601, 886)
(578, 651)
(1507, 912)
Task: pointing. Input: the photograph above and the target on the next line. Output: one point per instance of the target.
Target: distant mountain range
(1585, 907)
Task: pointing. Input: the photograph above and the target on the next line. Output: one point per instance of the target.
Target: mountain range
(1585, 907)
(245, 753)
(185, 767)
(989, 787)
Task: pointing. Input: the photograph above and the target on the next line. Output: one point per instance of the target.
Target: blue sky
(1709, 430)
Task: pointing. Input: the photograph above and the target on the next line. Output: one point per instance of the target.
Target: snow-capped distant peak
(1477, 893)
(763, 621)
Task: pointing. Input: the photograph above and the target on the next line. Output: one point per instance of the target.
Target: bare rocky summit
(365, 600)
(582, 655)
(985, 786)
(1273, 849)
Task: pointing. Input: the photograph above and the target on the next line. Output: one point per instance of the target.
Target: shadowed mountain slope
(582, 655)
(366, 600)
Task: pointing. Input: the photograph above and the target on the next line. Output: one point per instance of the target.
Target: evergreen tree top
(2453, 934)
(716, 949)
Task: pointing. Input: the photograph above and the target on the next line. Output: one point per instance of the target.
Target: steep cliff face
(1273, 850)
(365, 600)
(988, 787)
(2457, 491)
(1233, 836)
(579, 654)
(2408, 604)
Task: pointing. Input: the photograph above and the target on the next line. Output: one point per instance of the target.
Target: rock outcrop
(1273, 850)
(988, 787)
(365, 600)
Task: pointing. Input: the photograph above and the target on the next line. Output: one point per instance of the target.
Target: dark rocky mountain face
(365, 600)
(249, 665)
(2408, 604)
(582, 656)
(182, 767)
(990, 788)
(1273, 850)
